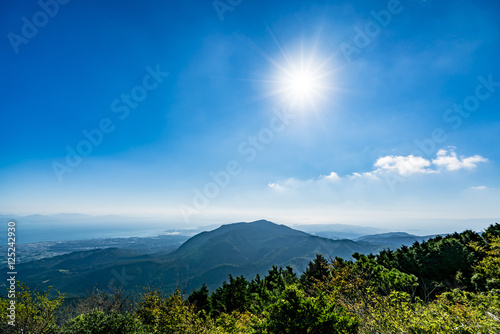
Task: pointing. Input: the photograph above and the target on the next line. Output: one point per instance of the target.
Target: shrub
(294, 313)
(98, 322)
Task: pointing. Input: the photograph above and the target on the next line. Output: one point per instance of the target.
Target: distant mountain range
(208, 257)
(77, 227)
(394, 239)
(338, 231)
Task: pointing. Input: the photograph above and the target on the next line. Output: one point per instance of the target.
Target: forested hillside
(444, 285)
(206, 258)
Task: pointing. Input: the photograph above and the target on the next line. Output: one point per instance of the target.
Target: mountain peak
(255, 232)
(261, 222)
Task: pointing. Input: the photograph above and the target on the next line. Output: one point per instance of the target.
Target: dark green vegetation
(444, 285)
(209, 257)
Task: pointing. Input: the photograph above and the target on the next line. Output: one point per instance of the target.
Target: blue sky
(194, 113)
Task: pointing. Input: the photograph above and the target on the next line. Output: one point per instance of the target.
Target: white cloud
(404, 165)
(275, 186)
(401, 166)
(450, 161)
(479, 188)
(292, 183)
(331, 177)
(366, 175)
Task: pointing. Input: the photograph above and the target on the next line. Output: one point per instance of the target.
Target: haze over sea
(30, 233)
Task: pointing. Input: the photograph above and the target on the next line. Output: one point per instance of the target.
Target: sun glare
(301, 81)
(301, 87)
(300, 77)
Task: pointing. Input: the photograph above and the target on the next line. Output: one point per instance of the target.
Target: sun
(300, 76)
(301, 81)
(301, 87)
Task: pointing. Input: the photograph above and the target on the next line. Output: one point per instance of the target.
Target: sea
(38, 232)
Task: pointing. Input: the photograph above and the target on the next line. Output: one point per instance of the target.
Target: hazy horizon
(71, 226)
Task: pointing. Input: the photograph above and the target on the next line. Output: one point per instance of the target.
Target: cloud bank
(395, 166)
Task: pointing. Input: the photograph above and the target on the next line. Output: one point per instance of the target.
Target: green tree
(98, 322)
(35, 311)
(169, 315)
(232, 296)
(200, 299)
(317, 271)
(294, 313)
(487, 272)
(383, 279)
(267, 290)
